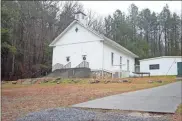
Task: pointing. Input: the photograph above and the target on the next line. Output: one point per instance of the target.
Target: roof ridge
(158, 57)
(96, 33)
(102, 35)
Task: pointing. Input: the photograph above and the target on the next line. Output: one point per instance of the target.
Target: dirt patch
(18, 100)
(177, 117)
(178, 114)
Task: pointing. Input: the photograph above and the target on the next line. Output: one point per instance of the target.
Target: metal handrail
(57, 66)
(68, 65)
(83, 64)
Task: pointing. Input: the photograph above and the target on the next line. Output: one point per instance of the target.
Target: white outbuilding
(164, 65)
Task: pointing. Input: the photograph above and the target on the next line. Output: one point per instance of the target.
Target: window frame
(112, 58)
(155, 66)
(121, 58)
(77, 16)
(128, 65)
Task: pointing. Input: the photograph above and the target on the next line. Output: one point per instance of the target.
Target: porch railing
(57, 66)
(83, 64)
(68, 65)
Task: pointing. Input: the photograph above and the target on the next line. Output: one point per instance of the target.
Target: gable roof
(75, 21)
(102, 37)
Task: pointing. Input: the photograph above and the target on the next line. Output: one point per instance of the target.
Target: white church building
(80, 46)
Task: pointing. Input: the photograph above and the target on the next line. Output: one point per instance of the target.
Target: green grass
(67, 81)
(174, 76)
(167, 79)
(179, 109)
(179, 80)
(159, 84)
(9, 85)
(47, 84)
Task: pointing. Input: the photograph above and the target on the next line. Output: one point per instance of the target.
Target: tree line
(146, 33)
(28, 27)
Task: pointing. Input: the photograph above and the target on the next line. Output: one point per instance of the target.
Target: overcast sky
(104, 8)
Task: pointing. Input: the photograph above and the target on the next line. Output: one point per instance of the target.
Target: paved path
(159, 99)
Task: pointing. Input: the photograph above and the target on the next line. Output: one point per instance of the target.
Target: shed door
(179, 67)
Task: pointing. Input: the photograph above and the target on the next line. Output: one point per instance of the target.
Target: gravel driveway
(73, 114)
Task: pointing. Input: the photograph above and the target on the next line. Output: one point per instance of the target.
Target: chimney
(81, 17)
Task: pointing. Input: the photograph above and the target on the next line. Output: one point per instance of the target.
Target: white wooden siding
(167, 66)
(117, 54)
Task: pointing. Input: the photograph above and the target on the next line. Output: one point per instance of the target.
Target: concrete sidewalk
(163, 99)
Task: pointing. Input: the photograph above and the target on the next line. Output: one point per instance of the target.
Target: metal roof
(161, 57)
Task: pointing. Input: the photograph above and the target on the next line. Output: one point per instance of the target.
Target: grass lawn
(179, 110)
(18, 100)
